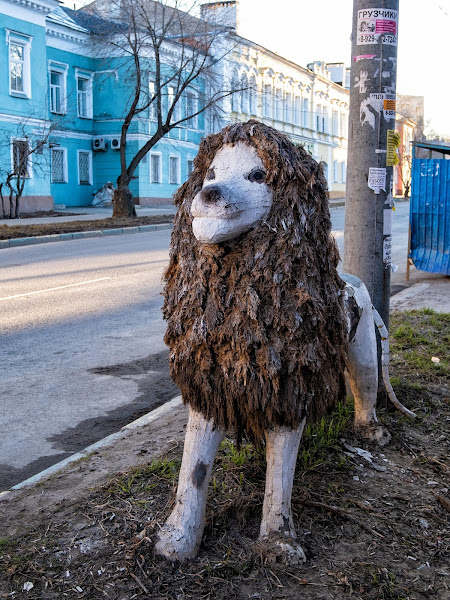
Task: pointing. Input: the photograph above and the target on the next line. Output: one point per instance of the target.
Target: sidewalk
(90, 213)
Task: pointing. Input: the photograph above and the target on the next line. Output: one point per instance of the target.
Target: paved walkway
(90, 213)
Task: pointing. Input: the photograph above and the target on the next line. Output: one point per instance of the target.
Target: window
(335, 122)
(343, 171)
(176, 115)
(235, 95)
(288, 107)
(267, 101)
(297, 110)
(21, 158)
(335, 170)
(190, 167)
(244, 94)
(58, 165)
(155, 168)
(19, 64)
(58, 77)
(152, 107)
(324, 120)
(174, 169)
(252, 97)
(84, 167)
(343, 125)
(305, 112)
(191, 109)
(84, 95)
(318, 117)
(279, 104)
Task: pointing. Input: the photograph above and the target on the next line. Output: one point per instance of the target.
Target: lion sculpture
(260, 325)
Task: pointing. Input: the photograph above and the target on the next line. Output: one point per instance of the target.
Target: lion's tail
(384, 335)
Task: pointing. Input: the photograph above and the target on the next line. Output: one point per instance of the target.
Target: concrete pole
(368, 213)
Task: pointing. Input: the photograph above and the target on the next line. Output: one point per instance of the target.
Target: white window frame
(89, 164)
(268, 101)
(235, 96)
(176, 115)
(29, 173)
(192, 122)
(288, 106)
(81, 74)
(23, 40)
(335, 171)
(178, 173)
(65, 169)
(305, 112)
(159, 155)
(244, 95)
(318, 117)
(344, 171)
(61, 69)
(189, 160)
(152, 106)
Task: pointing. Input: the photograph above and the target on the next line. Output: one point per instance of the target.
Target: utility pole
(371, 148)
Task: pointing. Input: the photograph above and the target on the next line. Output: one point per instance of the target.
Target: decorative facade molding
(41, 6)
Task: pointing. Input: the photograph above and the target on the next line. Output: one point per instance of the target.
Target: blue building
(59, 96)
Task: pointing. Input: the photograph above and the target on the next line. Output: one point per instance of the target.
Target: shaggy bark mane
(256, 326)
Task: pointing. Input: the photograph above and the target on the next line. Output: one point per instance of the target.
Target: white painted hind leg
(362, 367)
(281, 450)
(181, 535)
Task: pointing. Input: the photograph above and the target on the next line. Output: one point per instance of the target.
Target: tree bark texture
(123, 202)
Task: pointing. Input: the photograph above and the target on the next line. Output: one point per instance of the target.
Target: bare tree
(405, 172)
(169, 66)
(24, 148)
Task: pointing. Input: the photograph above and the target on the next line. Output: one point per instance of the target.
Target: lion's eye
(210, 174)
(257, 176)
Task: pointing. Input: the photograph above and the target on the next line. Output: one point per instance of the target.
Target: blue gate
(430, 209)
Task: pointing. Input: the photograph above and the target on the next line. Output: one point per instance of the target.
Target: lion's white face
(234, 196)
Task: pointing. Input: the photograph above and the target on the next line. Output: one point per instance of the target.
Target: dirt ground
(8, 232)
(375, 525)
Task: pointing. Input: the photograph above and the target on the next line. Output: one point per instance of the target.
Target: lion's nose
(211, 194)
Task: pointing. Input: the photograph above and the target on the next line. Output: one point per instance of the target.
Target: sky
(304, 31)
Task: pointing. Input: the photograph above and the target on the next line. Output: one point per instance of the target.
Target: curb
(107, 441)
(62, 237)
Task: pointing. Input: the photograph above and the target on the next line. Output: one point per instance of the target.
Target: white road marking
(61, 287)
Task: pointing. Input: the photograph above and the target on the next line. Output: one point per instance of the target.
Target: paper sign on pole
(387, 250)
(393, 142)
(373, 22)
(377, 179)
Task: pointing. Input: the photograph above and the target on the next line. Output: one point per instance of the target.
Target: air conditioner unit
(99, 143)
(115, 143)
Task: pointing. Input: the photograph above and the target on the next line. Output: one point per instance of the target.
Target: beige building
(302, 102)
(406, 129)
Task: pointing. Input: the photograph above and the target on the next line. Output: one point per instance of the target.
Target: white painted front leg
(281, 456)
(181, 535)
(281, 450)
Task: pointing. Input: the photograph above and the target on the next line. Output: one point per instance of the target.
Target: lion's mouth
(228, 211)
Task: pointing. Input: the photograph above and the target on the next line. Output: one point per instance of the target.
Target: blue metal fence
(430, 212)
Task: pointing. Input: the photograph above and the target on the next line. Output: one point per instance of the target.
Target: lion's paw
(281, 549)
(374, 433)
(173, 544)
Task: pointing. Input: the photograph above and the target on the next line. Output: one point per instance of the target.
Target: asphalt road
(81, 348)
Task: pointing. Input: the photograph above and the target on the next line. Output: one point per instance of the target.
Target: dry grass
(8, 232)
(371, 531)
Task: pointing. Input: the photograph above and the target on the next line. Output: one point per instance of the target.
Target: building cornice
(61, 33)
(42, 6)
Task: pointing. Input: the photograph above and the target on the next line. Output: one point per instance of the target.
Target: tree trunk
(123, 202)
